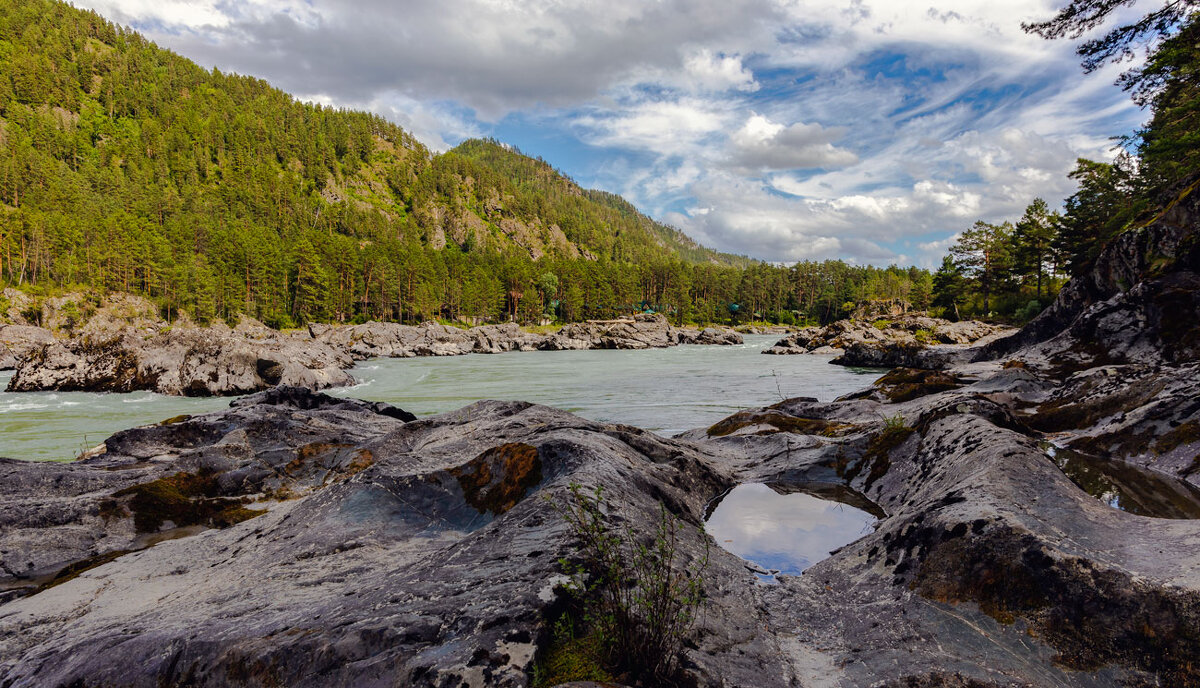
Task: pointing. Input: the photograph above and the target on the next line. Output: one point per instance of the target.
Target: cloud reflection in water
(786, 533)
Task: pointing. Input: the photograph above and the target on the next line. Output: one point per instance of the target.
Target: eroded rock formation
(342, 543)
(182, 361)
(18, 341)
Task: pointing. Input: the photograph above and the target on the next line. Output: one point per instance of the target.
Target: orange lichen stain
(499, 478)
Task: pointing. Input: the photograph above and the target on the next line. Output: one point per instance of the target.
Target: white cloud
(765, 145)
(665, 127)
(707, 71)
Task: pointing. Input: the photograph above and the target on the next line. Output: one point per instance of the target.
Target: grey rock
(18, 341)
(182, 361)
(436, 561)
(867, 342)
(639, 332)
(712, 336)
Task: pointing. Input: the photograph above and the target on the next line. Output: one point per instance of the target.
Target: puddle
(1126, 487)
(784, 529)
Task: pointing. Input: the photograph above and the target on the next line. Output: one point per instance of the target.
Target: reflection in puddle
(1127, 487)
(784, 529)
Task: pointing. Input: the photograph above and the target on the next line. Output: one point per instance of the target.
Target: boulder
(712, 336)
(495, 339)
(642, 331)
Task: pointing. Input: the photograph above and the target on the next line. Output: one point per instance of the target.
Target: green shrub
(639, 601)
(34, 314)
(1029, 311)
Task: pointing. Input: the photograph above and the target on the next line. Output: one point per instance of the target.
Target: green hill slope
(124, 166)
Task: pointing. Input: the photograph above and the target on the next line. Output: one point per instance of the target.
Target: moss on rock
(184, 499)
(781, 422)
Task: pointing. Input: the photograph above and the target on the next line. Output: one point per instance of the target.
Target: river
(663, 390)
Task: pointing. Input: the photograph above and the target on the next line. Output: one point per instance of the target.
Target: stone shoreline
(219, 360)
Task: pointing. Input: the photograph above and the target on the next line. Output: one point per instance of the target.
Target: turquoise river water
(663, 390)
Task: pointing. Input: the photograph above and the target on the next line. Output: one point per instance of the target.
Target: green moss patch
(879, 451)
(781, 422)
(500, 477)
(571, 659)
(877, 457)
(184, 499)
(904, 384)
(1070, 413)
(1187, 433)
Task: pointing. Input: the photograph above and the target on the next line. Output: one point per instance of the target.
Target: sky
(868, 130)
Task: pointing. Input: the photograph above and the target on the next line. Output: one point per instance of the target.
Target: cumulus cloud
(707, 71)
(491, 55)
(765, 145)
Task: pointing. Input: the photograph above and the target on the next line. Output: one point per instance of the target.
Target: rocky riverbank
(312, 541)
(897, 340)
(123, 348)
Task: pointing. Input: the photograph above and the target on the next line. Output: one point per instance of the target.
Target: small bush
(1029, 311)
(639, 602)
(34, 314)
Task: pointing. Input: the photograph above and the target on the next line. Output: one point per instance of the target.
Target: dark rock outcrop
(1136, 304)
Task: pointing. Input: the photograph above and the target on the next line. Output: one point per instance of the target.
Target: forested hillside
(1016, 267)
(126, 167)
